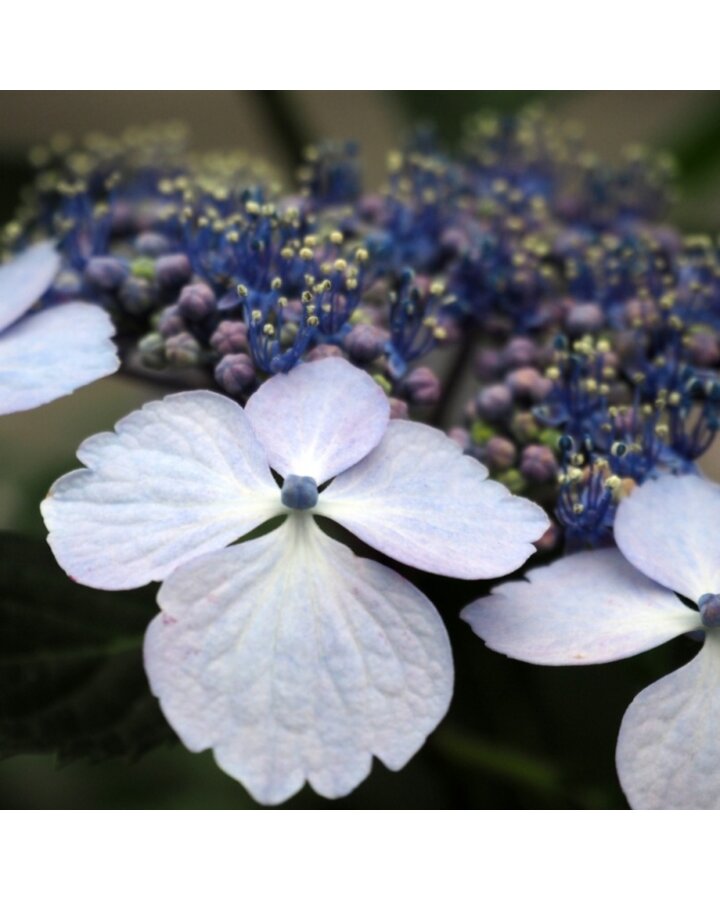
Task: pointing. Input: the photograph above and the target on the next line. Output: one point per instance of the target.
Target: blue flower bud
(235, 373)
(196, 301)
(105, 273)
(172, 271)
(495, 402)
(538, 463)
(518, 353)
(150, 243)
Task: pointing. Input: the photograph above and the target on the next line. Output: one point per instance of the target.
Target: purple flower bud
(137, 295)
(196, 301)
(398, 408)
(528, 384)
(365, 343)
(105, 273)
(494, 402)
(500, 453)
(461, 436)
(584, 318)
(234, 373)
(703, 348)
(538, 463)
(422, 386)
(170, 321)
(230, 336)
(150, 243)
(640, 311)
(182, 350)
(488, 364)
(172, 271)
(323, 351)
(456, 240)
(518, 353)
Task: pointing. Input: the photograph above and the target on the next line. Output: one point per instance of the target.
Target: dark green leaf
(71, 673)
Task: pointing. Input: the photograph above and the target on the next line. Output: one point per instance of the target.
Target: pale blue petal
(670, 530)
(51, 353)
(591, 607)
(178, 478)
(25, 279)
(668, 752)
(295, 661)
(420, 500)
(319, 419)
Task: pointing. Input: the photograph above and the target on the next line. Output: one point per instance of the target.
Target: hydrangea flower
(290, 656)
(601, 605)
(50, 353)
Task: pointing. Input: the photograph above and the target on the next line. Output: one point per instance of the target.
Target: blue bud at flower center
(709, 605)
(299, 492)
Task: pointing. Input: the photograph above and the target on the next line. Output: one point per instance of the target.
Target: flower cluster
(590, 325)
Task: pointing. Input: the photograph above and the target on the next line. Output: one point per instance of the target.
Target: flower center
(299, 492)
(709, 605)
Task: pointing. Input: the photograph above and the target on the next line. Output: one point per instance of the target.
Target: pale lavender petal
(49, 354)
(319, 419)
(25, 279)
(670, 530)
(297, 661)
(178, 478)
(591, 607)
(668, 752)
(420, 500)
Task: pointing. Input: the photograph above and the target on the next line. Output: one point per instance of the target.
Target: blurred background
(516, 736)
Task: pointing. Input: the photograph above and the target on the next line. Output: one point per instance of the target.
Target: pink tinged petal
(591, 607)
(669, 529)
(51, 353)
(178, 478)
(296, 660)
(420, 500)
(668, 752)
(319, 419)
(25, 279)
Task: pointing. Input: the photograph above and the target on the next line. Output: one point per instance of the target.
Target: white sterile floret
(291, 657)
(47, 354)
(602, 605)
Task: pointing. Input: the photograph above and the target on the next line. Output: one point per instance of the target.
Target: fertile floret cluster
(594, 324)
